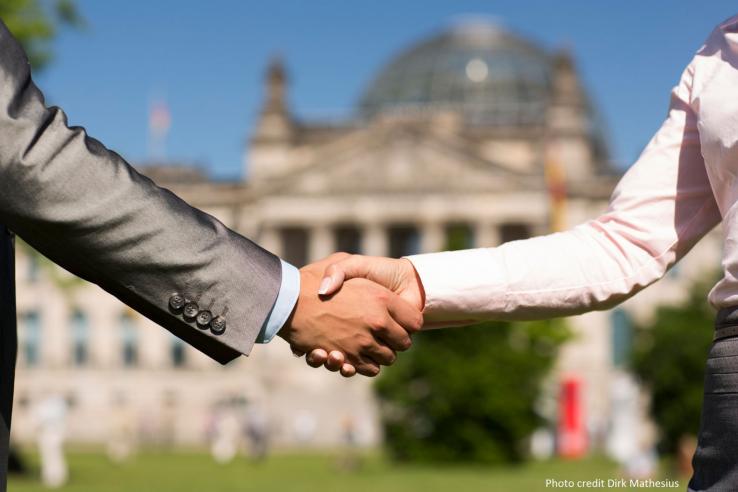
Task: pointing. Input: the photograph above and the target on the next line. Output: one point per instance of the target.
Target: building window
(295, 245)
(459, 236)
(622, 336)
(348, 239)
(34, 267)
(514, 231)
(404, 240)
(129, 340)
(80, 338)
(177, 352)
(30, 334)
(675, 272)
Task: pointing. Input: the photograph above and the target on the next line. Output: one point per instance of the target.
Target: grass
(196, 471)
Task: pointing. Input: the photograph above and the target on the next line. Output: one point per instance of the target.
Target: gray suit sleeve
(85, 208)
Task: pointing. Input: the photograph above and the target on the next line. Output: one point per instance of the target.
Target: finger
(368, 369)
(363, 364)
(394, 336)
(333, 279)
(337, 273)
(335, 257)
(405, 314)
(317, 358)
(297, 353)
(335, 361)
(348, 371)
(381, 354)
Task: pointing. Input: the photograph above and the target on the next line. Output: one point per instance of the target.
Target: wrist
(414, 284)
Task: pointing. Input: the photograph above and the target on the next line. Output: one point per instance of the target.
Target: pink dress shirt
(683, 184)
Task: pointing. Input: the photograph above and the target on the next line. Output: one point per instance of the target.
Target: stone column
(433, 237)
(374, 240)
(105, 337)
(486, 235)
(55, 342)
(153, 345)
(322, 243)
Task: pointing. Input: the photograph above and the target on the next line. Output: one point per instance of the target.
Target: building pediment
(397, 160)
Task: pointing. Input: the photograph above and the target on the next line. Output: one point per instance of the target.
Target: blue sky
(207, 60)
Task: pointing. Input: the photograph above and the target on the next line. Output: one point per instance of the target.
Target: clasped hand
(354, 313)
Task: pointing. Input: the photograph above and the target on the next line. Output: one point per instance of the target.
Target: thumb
(337, 273)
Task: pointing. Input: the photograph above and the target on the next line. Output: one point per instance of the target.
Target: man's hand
(397, 275)
(363, 321)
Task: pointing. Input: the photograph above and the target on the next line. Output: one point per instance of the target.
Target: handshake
(354, 313)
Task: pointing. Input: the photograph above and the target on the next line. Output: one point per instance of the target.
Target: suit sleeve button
(190, 311)
(218, 325)
(177, 302)
(203, 319)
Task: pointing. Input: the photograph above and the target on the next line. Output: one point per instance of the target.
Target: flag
(159, 122)
(556, 184)
(159, 119)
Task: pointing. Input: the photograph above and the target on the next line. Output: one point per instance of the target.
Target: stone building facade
(452, 139)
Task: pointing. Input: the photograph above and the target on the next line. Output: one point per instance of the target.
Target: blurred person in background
(304, 426)
(257, 431)
(50, 416)
(122, 433)
(226, 435)
(87, 209)
(684, 184)
(349, 460)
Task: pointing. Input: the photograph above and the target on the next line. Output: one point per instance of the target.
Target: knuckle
(382, 296)
(416, 324)
(375, 322)
(341, 255)
(379, 327)
(366, 343)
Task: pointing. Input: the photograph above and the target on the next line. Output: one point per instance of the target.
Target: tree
(468, 394)
(35, 23)
(669, 357)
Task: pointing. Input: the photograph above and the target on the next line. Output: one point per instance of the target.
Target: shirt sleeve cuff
(461, 287)
(283, 305)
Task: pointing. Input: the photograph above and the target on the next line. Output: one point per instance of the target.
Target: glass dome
(488, 74)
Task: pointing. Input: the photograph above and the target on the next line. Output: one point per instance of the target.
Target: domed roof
(488, 74)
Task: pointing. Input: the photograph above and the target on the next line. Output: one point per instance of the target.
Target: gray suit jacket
(85, 208)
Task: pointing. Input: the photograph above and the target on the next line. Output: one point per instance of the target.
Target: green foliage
(468, 394)
(669, 356)
(65, 282)
(35, 23)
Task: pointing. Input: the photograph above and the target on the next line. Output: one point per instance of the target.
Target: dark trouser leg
(715, 462)
(8, 347)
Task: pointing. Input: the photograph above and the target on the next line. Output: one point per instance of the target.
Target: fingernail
(324, 284)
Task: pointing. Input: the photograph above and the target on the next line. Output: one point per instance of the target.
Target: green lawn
(191, 471)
